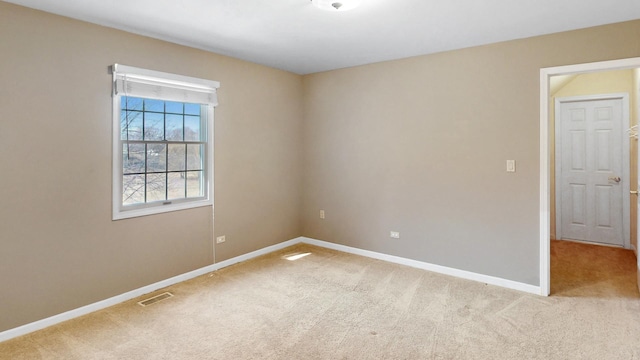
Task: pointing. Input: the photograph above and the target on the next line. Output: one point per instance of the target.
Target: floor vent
(155, 299)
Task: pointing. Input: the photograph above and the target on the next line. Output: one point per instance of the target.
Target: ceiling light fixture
(336, 5)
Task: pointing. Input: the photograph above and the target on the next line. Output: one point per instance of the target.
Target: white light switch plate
(511, 166)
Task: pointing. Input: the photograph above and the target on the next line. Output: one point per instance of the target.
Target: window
(162, 147)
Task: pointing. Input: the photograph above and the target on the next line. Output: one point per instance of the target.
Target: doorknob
(615, 178)
(633, 192)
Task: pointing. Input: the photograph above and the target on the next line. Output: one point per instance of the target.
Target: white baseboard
(509, 284)
(253, 254)
(71, 314)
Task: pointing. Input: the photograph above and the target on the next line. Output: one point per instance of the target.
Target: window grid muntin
(202, 133)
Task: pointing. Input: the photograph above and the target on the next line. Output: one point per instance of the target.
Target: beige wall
(419, 146)
(607, 82)
(59, 248)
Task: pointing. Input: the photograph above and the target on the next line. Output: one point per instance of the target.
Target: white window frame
(137, 82)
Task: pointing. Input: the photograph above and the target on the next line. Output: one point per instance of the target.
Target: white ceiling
(296, 36)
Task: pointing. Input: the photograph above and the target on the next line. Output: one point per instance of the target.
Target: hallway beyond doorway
(585, 270)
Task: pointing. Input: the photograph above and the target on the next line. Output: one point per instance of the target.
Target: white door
(590, 170)
(635, 191)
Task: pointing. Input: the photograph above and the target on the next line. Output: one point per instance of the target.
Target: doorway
(546, 142)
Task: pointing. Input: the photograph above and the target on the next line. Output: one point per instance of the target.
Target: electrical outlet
(321, 214)
(394, 235)
(220, 239)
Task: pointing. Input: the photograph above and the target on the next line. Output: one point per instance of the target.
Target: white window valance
(137, 82)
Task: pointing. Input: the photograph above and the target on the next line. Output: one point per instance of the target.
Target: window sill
(159, 209)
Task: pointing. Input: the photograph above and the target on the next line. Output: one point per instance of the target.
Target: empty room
(311, 179)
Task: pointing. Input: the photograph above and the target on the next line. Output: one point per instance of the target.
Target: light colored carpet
(332, 305)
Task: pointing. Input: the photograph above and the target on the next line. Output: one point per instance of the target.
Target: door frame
(626, 233)
(544, 193)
